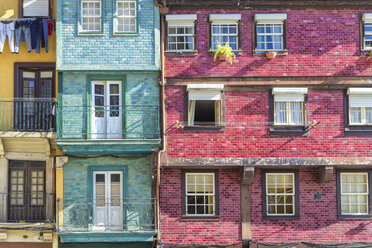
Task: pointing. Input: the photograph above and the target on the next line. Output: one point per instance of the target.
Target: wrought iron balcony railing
(108, 122)
(27, 114)
(134, 215)
(27, 207)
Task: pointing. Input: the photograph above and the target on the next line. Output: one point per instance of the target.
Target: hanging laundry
(39, 35)
(7, 29)
(50, 27)
(23, 33)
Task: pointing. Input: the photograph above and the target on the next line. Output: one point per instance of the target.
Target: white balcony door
(108, 200)
(106, 110)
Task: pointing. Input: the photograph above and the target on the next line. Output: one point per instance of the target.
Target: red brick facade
(320, 43)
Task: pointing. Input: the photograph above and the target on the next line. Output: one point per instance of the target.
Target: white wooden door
(107, 202)
(106, 110)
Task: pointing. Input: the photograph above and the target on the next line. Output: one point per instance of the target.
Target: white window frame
(293, 95)
(200, 194)
(293, 194)
(362, 96)
(355, 194)
(270, 19)
(129, 17)
(218, 20)
(181, 21)
(205, 92)
(367, 19)
(99, 16)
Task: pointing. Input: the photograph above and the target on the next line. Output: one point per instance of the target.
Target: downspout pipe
(163, 10)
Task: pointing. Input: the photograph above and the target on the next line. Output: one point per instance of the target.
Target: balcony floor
(108, 147)
(107, 236)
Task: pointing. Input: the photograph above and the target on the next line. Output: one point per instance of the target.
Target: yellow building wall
(9, 9)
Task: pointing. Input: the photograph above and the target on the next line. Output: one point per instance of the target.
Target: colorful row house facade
(108, 65)
(27, 124)
(267, 152)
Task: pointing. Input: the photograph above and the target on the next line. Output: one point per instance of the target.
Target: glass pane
(115, 189)
(115, 178)
(191, 200)
(46, 74)
(99, 89)
(191, 209)
(114, 89)
(100, 178)
(27, 74)
(100, 189)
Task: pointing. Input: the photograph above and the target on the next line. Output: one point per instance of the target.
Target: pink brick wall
(226, 230)
(318, 218)
(247, 129)
(320, 42)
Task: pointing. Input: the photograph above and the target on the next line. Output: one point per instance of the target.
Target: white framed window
(91, 16)
(360, 106)
(126, 20)
(280, 194)
(270, 31)
(205, 105)
(367, 31)
(289, 106)
(225, 28)
(181, 32)
(354, 193)
(200, 194)
(36, 8)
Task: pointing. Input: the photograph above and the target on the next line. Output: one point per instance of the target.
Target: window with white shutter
(35, 8)
(360, 106)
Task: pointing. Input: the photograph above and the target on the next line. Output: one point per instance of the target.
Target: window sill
(262, 53)
(182, 53)
(237, 52)
(204, 128)
(358, 130)
(354, 217)
(200, 218)
(90, 34)
(125, 34)
(288, 131)
(289, 217)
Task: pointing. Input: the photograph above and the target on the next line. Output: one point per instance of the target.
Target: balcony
(27, 208)
(107, 129)
(124, 220)
(27, 115)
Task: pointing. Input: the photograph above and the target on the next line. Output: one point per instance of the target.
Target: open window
(205, 105)
(288, 111)
(35, 8)
(358, 112)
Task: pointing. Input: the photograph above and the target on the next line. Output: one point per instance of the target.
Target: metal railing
(134, 215)
(27, 114)
(27, 207)
(108, 122)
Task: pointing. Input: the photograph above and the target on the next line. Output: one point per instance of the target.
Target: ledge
(288, 131)
(204, 128)
(106, 237)
(200, 218)
(108, 68)
(107, 147)
(181, 53)
(34, 134)
(358, 130)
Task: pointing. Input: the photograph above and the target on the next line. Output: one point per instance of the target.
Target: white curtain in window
(280, 112)
(217, 114)
(296, 113)
(192, 104)
(355, 115)
(368, 115)
(35, 7)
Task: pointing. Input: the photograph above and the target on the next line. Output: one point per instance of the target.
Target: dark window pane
(191, 209)
(204, 112)
(200, 209)
(115, 178)
(200, 199)
(191, 200)
(99, 89)
(100, 178)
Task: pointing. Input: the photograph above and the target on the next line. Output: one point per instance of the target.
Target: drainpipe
(163, 10)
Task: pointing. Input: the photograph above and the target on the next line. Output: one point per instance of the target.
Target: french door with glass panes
(106, 117)
(26, 193)
(35, 87)
(108, 200)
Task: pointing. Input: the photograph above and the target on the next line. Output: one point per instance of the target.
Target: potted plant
(270, 55)
(224, 53)
(369, 55)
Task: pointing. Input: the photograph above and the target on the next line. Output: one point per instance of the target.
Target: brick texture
(318, 218)
(226, 230)
(247, 129)
(320, 42)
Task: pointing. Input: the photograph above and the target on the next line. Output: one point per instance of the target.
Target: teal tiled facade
(83, 60)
